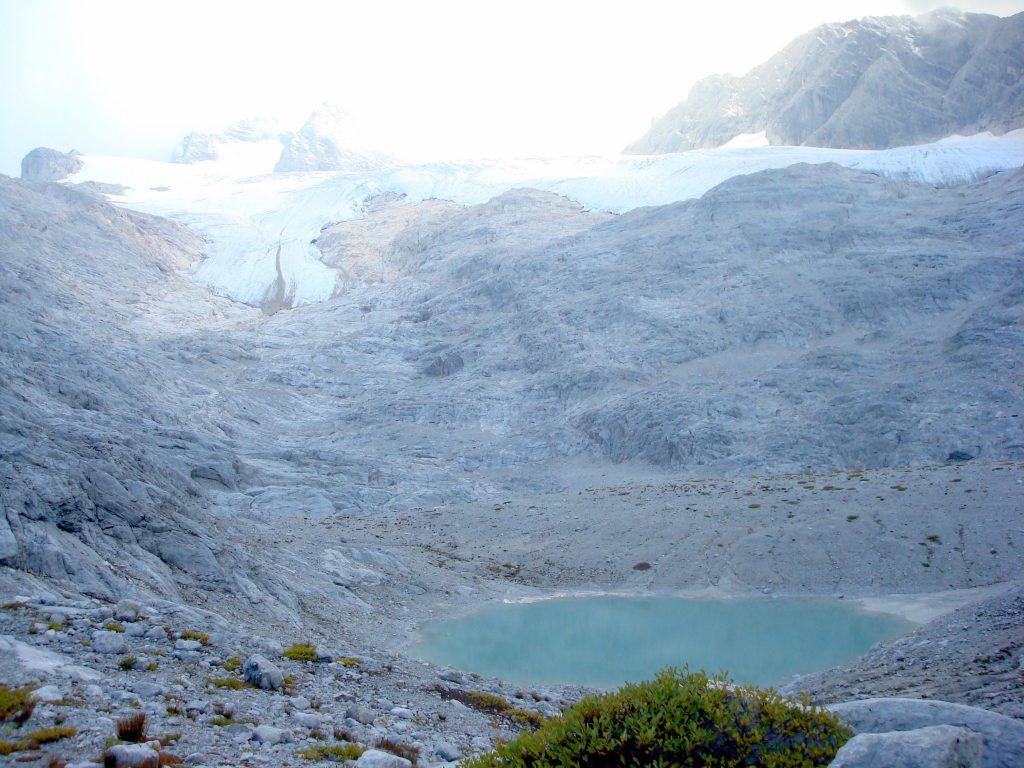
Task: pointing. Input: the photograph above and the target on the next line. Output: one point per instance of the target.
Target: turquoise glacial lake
(606, 641)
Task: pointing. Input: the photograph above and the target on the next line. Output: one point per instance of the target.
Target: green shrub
(301, 652)
(336, 752)
(190, 634)
(232, 663)
(16, 704)
(232, 683)
(493, 704)
(678, 719)
(47, 735)
(127, 662)
(113, 626)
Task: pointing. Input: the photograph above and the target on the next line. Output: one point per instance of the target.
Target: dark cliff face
(869, 84)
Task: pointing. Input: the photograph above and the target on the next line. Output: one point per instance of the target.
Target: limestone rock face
(45, 164)
(873, 83)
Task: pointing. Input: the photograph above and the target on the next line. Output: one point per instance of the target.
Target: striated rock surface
(45, 164)
(873, 83)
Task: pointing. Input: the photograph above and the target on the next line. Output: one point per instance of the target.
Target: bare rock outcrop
(45, 164)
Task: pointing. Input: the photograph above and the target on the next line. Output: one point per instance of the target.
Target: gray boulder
(127, 610)
(307, 719)
(45, 164)
(361, 714)
(131, 756)
(937, 746)
(263, 673)
(109, 642)
(268, 734)
(1003, 736)
(447, 751)
(375, 758)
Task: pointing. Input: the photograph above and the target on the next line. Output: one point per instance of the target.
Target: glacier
(260, 227)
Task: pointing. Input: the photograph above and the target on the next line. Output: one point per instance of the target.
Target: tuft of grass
(232, 683)
(127, 662)
(33, 740)
(48, 735)
(169, 738)
(14, 606)
(678, 719)
(493, 704)
(152, 666)
(16, 704)
(190, 634)
(347, 661)
(113, 626)
(754, 505)
(301, 652)
(407, 751)
(341, 733)
(131, 727)
(232, 664)
(57, 626)
(338, 753)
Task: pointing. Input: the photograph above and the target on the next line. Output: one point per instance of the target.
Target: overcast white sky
(438, 78)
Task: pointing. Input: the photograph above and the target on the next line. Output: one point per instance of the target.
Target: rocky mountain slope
(873, 83)
(799, 319)
(339, 471)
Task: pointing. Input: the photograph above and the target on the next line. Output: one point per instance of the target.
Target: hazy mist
(435, 80)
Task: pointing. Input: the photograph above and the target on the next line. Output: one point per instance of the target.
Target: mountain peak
(872, 83)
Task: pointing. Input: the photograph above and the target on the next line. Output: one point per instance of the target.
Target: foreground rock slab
(938, 746)
(1003, 736)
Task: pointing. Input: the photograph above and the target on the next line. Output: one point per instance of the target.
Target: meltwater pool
(605, 641)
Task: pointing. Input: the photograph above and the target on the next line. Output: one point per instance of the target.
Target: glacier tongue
(260, 229)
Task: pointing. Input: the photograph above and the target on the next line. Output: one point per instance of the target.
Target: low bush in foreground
(678, 719)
